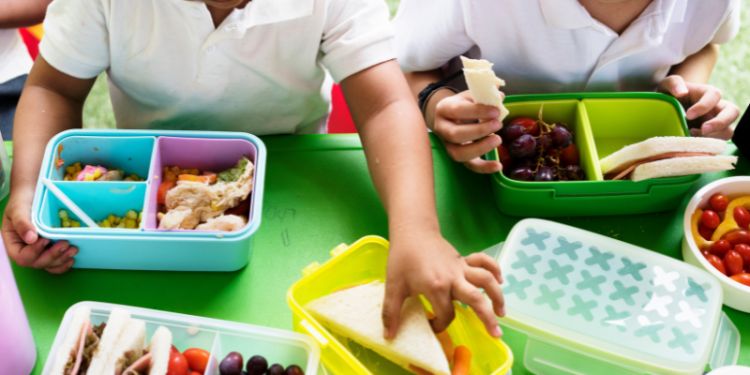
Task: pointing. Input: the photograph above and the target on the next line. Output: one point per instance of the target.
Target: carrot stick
(461, 360)
(447, 344)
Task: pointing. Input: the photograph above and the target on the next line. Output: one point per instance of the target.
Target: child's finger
(479, 165)
(470, 295)
(675, 86)
(485, 261)
(53, 256)
(24, 228)
(464, 109)
(442, 306)
(484, 279)
(29, 253)
(464, 153)
(727, 114)
(61, 269)
(459, 134)
(725, 134)
(707, 102)
(391, 314)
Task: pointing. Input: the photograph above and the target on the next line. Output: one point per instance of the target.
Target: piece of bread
(683, 166)
(656, 146)
(355, 313)
(118, 320)
(132, 339)
(484, 84)
(79, 322)
(160, 347)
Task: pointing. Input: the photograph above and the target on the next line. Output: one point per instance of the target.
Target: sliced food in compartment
(101, 159)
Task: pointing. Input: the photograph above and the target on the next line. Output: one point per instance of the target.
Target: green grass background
(732, 76)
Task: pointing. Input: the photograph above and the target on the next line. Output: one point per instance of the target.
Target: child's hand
(706, 105)
(429, 265)
(468, 131)
(25, 246)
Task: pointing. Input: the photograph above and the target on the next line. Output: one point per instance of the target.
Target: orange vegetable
(447, 344)
(461, 360)
(206, 179)
(197, 359)
(161, 195)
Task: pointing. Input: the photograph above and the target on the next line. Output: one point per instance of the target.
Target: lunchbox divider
(214, 357)
(155, 178)
(50, 210)
(726, 348)
(586, 143)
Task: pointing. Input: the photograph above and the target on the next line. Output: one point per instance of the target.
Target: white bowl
(736, 295)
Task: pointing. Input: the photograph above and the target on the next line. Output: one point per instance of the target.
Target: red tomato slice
(197, 359)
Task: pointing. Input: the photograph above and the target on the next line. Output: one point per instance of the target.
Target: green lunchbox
(602, 123)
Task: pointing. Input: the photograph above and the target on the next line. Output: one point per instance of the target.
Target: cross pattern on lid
(649, 329)
(514, 286)
(615, 318)
(591, 282)
(599, 258)
(631, 268)
(682, 340)
(558, 272)
(690, 315)
(665, 279)
(537, 239)
(583, 308)
(659, 304)
(695, 289)
(549, 297)
(526, 262)
(567, 248)
(623, 293)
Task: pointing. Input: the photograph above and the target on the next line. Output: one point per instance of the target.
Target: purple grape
(522, 174)
(545, 141)
(512, 132)
(276, 369)
(523, 147)
(561, 137)
(256, 365)
(294, 370)
(545, 173)
(574, 172)
(231, 364)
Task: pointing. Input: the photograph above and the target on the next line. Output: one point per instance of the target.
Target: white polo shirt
(14, 57)
(555, 45)
(260, 71)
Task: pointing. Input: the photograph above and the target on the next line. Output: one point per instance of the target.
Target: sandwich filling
(622, 173)
(136, 363)
(78, 362)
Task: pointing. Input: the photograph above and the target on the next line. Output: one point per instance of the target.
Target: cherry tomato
(705, 232)
(716, 262)
(710, 219)
(738, 236)
(569, 156)
(744, 251)
(720, 247)
(531, 124)
(718, 202)
(161, 195)
(742, 217)
(733, 263)
(195, 373)
(197, 359)
(178, 364)
(504, 156)
(742, 278)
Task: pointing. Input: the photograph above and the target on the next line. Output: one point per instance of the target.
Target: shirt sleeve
(356, 36)
(76, 38)
(429, 33)
(730, 25)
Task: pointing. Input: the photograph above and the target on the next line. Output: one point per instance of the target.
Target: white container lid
(617, 302)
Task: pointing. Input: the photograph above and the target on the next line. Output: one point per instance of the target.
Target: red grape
(531, 125)
(569, 155)
(522, 174)
(512, 132)
(545, 173)
(561, 137)
(524, 146)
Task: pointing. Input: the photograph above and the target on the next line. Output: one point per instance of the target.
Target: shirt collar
(570, 14)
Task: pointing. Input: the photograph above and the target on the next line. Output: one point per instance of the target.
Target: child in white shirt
(564, 46)
(255, 67)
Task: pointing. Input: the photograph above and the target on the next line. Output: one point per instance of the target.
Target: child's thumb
(22, 224)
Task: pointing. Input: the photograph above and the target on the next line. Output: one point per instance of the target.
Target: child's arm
(399, 157)
(20, 13)
(688, 83)
(51, 102)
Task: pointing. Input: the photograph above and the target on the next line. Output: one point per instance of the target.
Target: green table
(318, 195)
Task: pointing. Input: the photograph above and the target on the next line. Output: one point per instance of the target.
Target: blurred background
(732, 76)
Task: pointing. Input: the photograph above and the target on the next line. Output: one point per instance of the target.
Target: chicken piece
(226, 223)
(230, 194)
(175, 218)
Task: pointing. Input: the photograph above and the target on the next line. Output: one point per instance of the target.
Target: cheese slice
(483, 84)
(356, 313)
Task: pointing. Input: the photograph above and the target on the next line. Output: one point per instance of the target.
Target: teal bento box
(143, 153)
(601, 123)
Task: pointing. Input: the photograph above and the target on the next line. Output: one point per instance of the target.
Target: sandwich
(666, 157)
(356, 313)
(116, 347)
(483, 84)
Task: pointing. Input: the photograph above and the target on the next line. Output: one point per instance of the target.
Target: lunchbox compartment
(362, 262)
(274, 349)
(97, 200)
(205, 154)
(130, 154)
